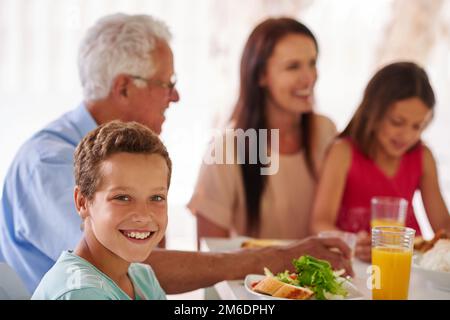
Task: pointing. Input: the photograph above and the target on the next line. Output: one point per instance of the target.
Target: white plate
(353, 292)
(438, 279)
(228, 244)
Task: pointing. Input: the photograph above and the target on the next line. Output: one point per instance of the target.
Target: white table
(419, 289)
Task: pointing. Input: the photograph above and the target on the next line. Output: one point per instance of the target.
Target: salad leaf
(267, 272)
(318, 276)
(287, 277)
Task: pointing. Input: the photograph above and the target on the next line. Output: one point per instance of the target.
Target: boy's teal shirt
(73, 278)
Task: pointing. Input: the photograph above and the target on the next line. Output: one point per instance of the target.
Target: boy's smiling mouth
(139, 236)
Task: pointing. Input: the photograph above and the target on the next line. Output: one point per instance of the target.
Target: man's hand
(334, 250)
(204, 269)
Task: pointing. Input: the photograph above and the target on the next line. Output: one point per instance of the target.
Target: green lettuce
(317, 275)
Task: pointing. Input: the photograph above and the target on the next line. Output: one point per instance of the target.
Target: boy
(122, 175)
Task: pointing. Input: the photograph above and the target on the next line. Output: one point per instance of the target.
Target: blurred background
(39, 79)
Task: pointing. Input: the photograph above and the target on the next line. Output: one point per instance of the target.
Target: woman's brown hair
(249, 112)
(392, 83)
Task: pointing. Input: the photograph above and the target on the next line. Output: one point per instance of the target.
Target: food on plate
(437, 258)
(422, 245)
(259, 243)
(275, 288)
(313, 278)
(290, 291)
(269, 285)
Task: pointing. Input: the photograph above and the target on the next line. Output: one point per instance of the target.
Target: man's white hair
(118, 44)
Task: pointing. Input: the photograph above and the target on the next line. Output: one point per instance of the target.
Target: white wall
(39, 80)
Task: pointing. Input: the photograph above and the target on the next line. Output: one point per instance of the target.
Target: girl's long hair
(394, 82)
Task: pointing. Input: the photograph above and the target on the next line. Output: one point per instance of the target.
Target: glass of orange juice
(388, 211)
(392, 249)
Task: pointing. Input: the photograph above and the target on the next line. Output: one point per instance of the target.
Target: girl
(277, 78)
(380, 154)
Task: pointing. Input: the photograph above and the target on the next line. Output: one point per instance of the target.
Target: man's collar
(83, 120)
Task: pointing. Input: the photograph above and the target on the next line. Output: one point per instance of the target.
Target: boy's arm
(182, 271)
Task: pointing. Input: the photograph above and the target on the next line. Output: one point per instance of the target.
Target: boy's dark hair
(108, 139)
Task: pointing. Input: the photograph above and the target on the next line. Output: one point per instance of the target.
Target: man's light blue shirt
(38, 219)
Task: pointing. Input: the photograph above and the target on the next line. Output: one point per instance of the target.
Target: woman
(277, 78)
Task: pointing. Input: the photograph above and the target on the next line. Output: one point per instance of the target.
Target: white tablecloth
(419, 288)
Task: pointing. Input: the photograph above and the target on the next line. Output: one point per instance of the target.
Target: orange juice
(394, 265)
(385, 223)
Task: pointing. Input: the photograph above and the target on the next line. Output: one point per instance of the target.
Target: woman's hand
(363, 249)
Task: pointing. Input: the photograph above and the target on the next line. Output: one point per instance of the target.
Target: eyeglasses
(167, 85)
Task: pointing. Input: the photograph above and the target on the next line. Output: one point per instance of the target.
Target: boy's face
(128, 213)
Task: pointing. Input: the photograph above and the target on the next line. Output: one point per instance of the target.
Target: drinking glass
(388, 211)
(392, 249)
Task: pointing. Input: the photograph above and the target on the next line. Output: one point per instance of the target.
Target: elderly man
(126, 69)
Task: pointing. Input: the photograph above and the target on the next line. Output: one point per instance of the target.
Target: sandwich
(276, 288)
(313, 278)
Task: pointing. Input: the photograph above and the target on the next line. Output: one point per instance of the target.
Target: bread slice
(261, 243)
(289, 291)
(276, 288)
(268, 285)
